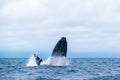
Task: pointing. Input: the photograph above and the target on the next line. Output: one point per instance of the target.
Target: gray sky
(89, 25)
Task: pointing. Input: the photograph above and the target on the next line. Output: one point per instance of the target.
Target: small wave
(115, 77)
(1, 68)
(72, 71)
(41, 78)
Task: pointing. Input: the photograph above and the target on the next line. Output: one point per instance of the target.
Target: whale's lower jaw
(55, 61)
(60, 48)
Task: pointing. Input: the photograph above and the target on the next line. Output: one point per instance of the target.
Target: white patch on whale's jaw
(55, 61)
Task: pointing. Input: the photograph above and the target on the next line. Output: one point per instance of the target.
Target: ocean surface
(77, 69)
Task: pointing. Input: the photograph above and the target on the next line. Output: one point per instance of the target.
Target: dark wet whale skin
(60, 48)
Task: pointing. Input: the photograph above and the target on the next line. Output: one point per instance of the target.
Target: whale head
(60, 48)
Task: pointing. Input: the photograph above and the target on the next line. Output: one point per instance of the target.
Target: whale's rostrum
(60, 48)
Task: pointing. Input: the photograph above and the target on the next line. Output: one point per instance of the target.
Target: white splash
(31, 61)
(56, 61)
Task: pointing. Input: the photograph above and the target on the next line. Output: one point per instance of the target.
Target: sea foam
(31, 61)
(54, 61)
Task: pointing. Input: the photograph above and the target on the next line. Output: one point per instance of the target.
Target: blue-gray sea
(78, 69)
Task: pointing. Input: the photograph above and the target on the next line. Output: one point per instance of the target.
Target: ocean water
(77, 69)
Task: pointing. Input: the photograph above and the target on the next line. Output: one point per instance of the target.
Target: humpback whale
(60, 50)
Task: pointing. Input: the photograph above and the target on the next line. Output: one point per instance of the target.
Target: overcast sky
(37, 25)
